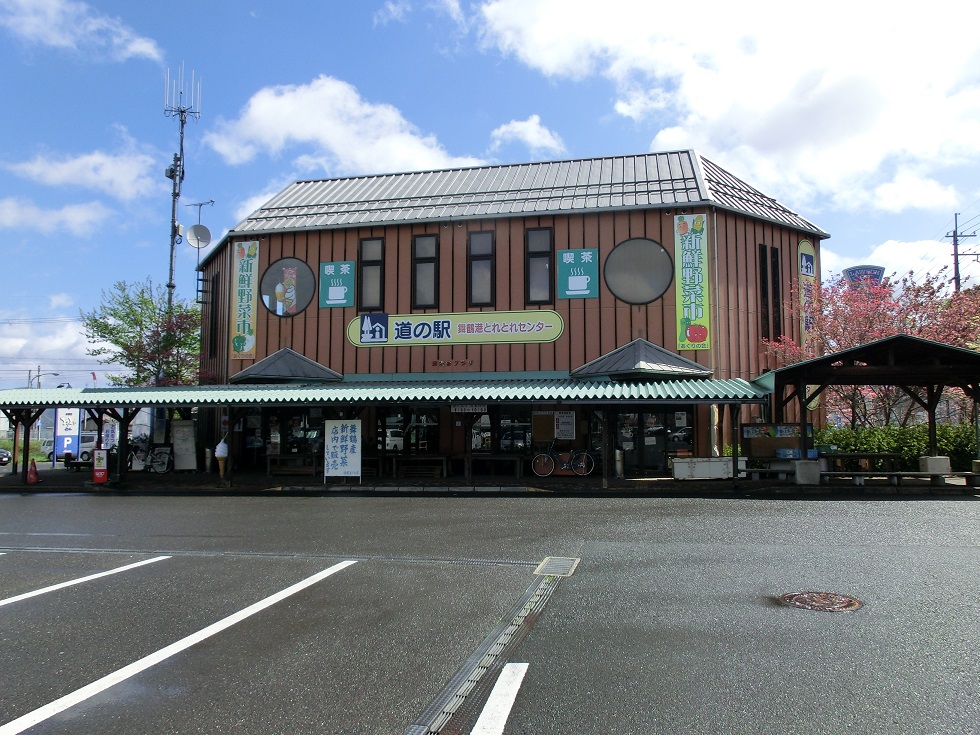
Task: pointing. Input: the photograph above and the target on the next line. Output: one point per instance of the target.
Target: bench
(419, 465)
(781, 469)
(895, 477)
(286, 464)
(515, 460)
(421, 470)
(78, 465)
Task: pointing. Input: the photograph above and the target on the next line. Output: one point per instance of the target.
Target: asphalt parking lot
(393, 614)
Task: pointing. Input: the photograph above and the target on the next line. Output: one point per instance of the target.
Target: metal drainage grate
(822, 601)
(557, 566)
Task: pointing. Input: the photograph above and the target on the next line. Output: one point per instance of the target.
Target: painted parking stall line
(81, 580)
(90, 690)
(501, 700)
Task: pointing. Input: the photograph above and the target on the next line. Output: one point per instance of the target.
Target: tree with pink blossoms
(842, 315)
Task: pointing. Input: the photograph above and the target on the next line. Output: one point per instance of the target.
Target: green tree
(134, 328)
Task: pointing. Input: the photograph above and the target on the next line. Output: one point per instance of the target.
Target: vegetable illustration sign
(245, 290)
(691, 275)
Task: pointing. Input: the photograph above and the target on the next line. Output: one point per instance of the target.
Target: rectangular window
(764, 290)
(480, 269)
(777, 297)
(371, 275)
(537, 266)
(425, 272)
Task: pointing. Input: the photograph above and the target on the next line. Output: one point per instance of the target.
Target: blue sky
(863, 120)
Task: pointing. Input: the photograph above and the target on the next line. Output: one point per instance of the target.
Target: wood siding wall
(593, 327)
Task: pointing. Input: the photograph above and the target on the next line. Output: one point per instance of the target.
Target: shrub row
(958, 442)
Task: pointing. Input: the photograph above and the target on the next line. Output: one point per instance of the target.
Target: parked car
(683, 435)
(5, 457)
(515, 441)
(394, 440)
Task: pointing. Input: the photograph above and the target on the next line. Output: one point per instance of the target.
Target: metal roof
(362, 393)
(642, 358)
(286, 366)
(671, 179)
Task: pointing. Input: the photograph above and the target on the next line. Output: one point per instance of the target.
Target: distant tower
(176, 106)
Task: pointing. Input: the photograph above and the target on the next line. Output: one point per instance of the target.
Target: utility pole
(956, 235)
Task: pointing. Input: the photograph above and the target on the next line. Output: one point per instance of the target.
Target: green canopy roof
(563, 390)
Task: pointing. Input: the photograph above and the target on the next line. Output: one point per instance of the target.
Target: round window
(287, 287)
(638, 271)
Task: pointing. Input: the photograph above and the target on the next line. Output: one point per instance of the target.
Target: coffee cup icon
(578, 284)
(336, 293)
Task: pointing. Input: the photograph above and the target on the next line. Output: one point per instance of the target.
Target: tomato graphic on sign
(697, 333)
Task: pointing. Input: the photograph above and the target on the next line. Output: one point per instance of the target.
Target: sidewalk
(60, 480)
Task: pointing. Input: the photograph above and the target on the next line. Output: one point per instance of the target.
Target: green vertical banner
(693, 285)
(808, 289)
(244, 300)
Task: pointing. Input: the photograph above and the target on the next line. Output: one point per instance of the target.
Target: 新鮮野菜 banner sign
(405, 330)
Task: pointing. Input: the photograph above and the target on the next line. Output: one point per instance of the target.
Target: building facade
(661, 269)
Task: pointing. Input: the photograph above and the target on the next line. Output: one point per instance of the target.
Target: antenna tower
(176, 106)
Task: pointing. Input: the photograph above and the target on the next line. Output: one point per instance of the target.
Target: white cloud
(900, 258)
(257, 200)
(60, 300)
(125, 176)
(392, 10)
(75, 26)
(347, 134)
(530, 132)
(814, 107)
(78, 219)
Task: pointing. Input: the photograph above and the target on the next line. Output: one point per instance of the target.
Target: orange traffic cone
(32, 478)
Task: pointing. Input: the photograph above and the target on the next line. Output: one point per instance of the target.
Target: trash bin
(69, 458)
(620, 464)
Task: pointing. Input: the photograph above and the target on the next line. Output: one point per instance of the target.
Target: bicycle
(578, 461)
(157, 459)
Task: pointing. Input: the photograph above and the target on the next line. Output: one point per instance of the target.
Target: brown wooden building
(660, 268)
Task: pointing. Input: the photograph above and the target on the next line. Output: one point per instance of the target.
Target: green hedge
(959, 442)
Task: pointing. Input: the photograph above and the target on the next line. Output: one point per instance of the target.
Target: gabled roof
(665, 180)
(643, 359)
(286, 366)
(897, 360)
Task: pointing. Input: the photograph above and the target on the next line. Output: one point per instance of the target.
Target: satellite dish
(198, 236)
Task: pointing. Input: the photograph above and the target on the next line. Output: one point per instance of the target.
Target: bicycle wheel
(543, 464)
(161, 463)
(583, 463)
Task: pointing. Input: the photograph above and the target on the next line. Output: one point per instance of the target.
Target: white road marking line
(90, 690)
(71, 582)
(497, 709)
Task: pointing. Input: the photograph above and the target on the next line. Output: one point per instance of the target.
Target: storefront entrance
(650, 439)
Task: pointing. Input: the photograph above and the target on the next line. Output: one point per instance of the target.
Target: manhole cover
(823, 601)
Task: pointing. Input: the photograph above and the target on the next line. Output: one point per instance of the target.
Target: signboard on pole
(342, 448)
(100, 466)
(67, 432)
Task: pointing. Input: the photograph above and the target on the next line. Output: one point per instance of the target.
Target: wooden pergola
(921, 368)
